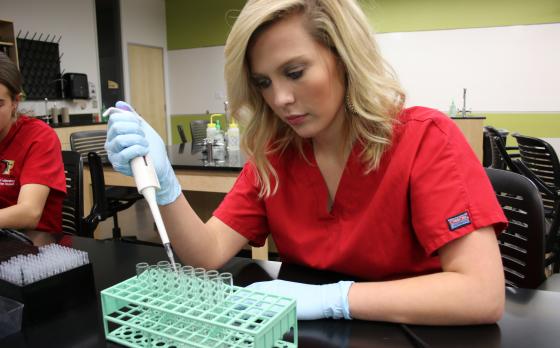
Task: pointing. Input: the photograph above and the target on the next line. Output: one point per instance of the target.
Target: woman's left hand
(313, 301)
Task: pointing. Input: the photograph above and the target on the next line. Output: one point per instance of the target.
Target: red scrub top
(429, 189)
(31, 154)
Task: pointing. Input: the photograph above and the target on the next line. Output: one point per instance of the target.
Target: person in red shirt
(340, 174)
(32, 180)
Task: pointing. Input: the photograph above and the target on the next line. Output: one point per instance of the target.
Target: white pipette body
(147, 183)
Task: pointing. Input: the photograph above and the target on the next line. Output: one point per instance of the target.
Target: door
(147, 87)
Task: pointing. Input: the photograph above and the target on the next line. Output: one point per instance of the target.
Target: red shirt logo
(6, 166)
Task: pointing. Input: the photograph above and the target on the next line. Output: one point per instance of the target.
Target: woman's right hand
(128, 137)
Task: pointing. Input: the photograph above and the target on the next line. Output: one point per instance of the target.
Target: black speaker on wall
(75, 86)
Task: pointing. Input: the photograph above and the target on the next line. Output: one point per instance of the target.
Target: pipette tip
(169, 252)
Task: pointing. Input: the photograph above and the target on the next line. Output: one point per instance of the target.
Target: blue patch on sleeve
(458, 221)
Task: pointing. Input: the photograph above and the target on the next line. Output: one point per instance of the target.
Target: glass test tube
(198, 284)
(142, 273)
(211, 287)
(226, 285)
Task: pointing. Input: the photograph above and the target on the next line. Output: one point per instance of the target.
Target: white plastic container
(211, 132)
(233, 136)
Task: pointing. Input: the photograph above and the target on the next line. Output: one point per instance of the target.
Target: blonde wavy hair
(374, 97)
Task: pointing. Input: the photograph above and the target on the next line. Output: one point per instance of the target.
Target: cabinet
(472, 130)
(8, 43)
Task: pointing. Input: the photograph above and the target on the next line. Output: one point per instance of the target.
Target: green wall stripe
(195, 23)
(413, 15)
(535, 125)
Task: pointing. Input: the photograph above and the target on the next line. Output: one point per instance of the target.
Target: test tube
(141, 272)
(198, 284)
(163, 263)
(211, 286)
(164, 273)
(187, 273)
(153, 277)
(174, 279)
(226, 285)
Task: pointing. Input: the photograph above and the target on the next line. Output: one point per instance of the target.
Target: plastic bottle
(452, 110)
(211, 131)
(233, 136)
(219, 133)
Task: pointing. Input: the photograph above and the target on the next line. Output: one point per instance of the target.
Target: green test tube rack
(136, 315)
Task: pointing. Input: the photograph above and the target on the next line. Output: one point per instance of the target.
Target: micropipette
(147, 182)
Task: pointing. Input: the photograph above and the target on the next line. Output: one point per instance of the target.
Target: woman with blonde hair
(340, 174)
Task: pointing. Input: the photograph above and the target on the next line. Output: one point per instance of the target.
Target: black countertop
(469, 118)
(75, 121)
(531, 317)
(191, 156)
(65, 125)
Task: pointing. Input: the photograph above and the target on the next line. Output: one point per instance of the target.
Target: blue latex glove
(313, 301)
(128, 137)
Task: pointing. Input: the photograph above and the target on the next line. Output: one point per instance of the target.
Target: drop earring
(349, 105)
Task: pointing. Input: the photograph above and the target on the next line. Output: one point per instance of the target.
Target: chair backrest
(100, 208)
(182, 135)
(486, 149)
(497, 142)
(89, 141)
(540, 157)
(522, 244)
(73, 205)
(198, 131)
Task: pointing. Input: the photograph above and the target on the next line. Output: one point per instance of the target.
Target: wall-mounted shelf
(39, 63)
(8, 40)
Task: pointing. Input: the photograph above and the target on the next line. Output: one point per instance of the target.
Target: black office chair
(85, 142)
(496, 154)
(522, 244)
(539, 162)
(73, 205)
(182, 135)
(107, 200)
(198, 131)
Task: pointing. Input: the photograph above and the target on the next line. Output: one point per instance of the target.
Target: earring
(349, 105)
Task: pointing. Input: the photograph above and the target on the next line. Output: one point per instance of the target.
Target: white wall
(511, 69)
(197, 80)
(75, 21)
(555, 143)
(143, 23)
